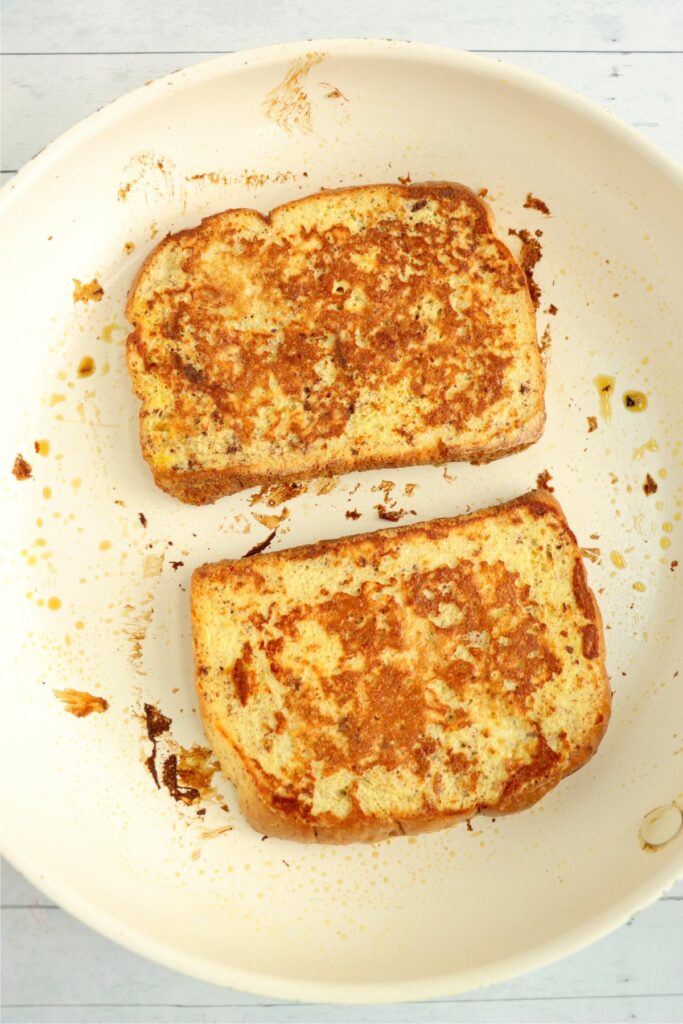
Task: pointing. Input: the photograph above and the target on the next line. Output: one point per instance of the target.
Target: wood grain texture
(634, 974)
(79, 25)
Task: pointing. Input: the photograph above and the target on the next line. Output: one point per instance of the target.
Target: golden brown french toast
(384, 325)
(404, 680)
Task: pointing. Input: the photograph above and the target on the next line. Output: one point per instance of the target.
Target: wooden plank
(79, 25)
(648, 1010)
(45, 95)
(643, 958)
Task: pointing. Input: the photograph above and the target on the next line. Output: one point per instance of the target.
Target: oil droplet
(617, 559)
(39, 522)
(661, 826)
(105, 545)
(56, 399)
(105, 369)
(86, 367)
(635, 401)
(54, 603)
(667, 527)
(662, 474)
(649, 446)
(605, 386)
(79, 624)
(109, 330)
(47, 492)
(40, 542)
(40, 602)
(640, 587)
(42, 447)
(76, 483)
(677, 517)
(645, 360)
(665, 542)
(31, 560)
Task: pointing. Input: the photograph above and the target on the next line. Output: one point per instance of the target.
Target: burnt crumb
(117, 501)
(405, 180)
(534, 203)
(469, 825)
(263, 838)
(523, 389)
(482, 193)
(224, 807)
(552, 309)
(81, 704)
(674, 565)
(91, 291)
(169, 776)
(528, 258)
(592, 424)
(176, 565)
(201, 811)
(157, 724)
(545, 342)
(419, 205)
(352, 513)
(543, 481)
(390, 515)
(143, 518)
(22, 469)
(650, 485)
(258, 548)
(285, 862)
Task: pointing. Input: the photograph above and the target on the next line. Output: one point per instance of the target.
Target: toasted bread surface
(383, 325)
(403, 680)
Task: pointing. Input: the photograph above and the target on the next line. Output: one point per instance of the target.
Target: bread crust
(518, 795)
(205, 485)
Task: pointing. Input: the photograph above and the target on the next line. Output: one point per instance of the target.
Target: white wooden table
(63, 59)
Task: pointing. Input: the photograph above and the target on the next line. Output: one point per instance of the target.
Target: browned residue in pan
(528, 258)
(81, 704)
(135, 630)
(90, 291)
(288, 104)
(272, 521)
(22, 469)
(276, 494)
(534, 203)
(543, 481)
(186, 773)
(261, 546)
(333, 92)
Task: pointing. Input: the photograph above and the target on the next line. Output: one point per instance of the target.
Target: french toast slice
(404, 680)
(383, 325)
